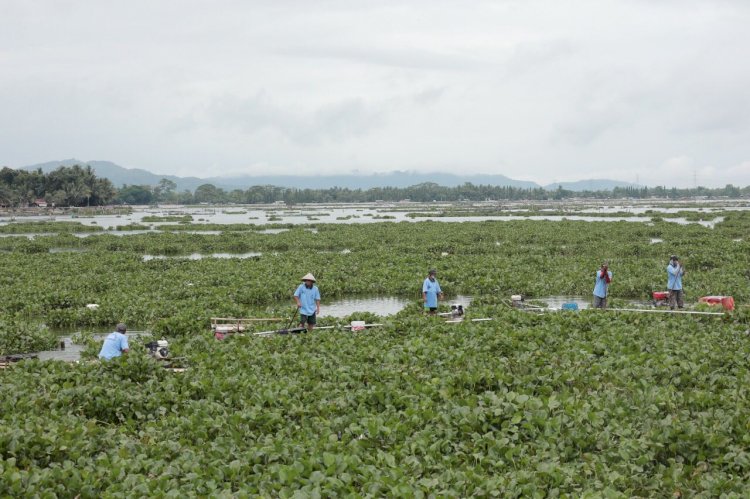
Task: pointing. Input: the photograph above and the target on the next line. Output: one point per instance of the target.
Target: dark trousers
(676, 297)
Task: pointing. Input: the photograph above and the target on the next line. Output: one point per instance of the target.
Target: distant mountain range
(119, 176)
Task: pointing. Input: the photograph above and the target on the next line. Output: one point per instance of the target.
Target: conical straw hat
(309, 277)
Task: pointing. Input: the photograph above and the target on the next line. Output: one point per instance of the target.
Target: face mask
(674, 263)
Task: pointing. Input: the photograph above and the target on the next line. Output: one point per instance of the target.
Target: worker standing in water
(307, 297)
(431, 292)
(601, 286)
(675, 271)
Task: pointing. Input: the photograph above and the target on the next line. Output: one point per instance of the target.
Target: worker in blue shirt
(431, 292)
(115, 344)
(601, 285)
(307, 297)
(675, 271)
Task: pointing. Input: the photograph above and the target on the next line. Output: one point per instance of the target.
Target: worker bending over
(115, 344)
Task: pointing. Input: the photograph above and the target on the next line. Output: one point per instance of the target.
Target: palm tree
(76, 191)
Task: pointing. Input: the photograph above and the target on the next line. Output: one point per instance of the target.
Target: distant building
(41, 203)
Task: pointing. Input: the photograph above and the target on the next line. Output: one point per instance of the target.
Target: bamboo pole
(483, 319)
(290, 330)
(300, 330)
(250, 319)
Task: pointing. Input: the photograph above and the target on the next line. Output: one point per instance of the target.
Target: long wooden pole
(250, 319)
(300, 330)
(456, 321)
(295, 330)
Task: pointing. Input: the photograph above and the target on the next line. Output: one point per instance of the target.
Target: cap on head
(309, 277)
(432, 272)
(121, 328)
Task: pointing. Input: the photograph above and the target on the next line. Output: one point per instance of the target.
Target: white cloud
(543, 90)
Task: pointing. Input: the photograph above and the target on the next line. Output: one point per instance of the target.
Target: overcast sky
(557, 90)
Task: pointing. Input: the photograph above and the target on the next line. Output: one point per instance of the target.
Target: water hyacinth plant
(577, 404)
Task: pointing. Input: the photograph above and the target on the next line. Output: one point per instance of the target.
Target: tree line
(79, 186)
(165, 192)
(65, 186)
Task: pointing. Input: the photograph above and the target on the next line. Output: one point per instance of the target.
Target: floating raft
(7, 365)
(354, 326)
(226, 325)
(9, 360)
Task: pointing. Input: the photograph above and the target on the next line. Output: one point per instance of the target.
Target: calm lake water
(556, 302)
(348, 214)
(382, 305)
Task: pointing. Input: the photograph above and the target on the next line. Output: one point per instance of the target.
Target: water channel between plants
(383, 305)
(346, 215)
(335, 309)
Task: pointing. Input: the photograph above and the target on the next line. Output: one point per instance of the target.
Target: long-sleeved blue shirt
(432, 289)
(674, 277)
(601, 286)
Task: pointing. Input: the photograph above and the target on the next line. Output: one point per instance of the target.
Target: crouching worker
(307, 297)
(115, 344)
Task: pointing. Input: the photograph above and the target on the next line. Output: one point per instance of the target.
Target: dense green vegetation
(168, 218)
(21, 336)
(576, 404)
(443, 212)
(74, 186)
(580, 404)
(533, 258)
(47, 227)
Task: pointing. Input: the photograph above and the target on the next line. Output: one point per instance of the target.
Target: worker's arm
(317, 307)
(124, 347)
(296, 300)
